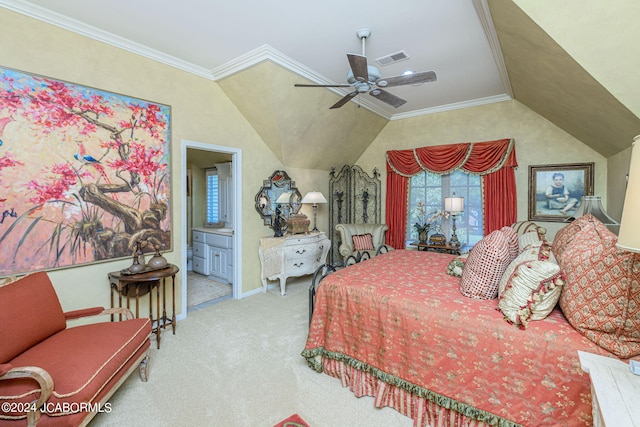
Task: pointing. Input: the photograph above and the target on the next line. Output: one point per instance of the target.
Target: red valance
(495, 160)
(479, 158)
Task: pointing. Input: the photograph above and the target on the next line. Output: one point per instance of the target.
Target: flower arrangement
(424, 225)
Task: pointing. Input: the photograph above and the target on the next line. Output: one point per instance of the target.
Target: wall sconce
(629, 235)
(314, 197)
(455, 206)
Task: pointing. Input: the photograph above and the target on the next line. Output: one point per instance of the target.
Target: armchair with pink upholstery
(369, 240)
(54, 375)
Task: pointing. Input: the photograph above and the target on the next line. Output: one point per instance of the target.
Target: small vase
(422, 236)
(157, 260)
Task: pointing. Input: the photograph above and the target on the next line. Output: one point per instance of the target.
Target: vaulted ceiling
(481, 50)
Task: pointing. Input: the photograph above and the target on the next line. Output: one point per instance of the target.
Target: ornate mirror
(277, 192)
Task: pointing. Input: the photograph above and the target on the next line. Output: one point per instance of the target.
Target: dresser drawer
(200, 250)
(301, 266)
(198, 236)
(306, 251)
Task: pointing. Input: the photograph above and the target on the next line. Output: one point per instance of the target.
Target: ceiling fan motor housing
(374, 76)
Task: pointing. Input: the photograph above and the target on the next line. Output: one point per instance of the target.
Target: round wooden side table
(137, 285)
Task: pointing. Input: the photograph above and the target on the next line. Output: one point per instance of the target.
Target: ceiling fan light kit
(366, 78)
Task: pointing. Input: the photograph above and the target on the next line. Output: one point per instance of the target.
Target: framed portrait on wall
(85, 174)
(555, 191)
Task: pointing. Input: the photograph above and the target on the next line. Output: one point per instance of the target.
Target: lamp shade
(313, 197)
(454, 204)
(284, 198)
(593, 205)
(629, 235)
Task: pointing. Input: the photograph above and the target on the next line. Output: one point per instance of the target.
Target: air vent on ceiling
(393, 58)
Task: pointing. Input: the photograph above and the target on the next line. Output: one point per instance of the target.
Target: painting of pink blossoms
(84, 174)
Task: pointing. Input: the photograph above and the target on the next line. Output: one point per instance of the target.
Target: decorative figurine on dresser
(293, 251)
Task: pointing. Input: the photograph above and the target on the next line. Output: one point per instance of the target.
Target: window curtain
(494, 160)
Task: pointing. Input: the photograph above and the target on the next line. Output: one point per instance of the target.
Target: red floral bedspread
(399, 319)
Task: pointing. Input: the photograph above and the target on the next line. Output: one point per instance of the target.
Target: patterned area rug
(201, 289)
(293, 421)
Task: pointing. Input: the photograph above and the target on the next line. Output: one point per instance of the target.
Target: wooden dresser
(292, 255)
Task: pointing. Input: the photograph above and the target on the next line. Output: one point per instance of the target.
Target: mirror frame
(272, 188)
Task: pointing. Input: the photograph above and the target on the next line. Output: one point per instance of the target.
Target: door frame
(236, 179)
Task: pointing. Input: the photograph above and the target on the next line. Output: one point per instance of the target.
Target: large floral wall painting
(84, 174)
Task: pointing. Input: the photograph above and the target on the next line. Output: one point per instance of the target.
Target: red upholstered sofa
(54, 375)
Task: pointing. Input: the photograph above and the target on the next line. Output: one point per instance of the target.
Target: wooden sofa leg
(144, 368)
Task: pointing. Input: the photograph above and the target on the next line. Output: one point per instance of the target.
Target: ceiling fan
(365, 78)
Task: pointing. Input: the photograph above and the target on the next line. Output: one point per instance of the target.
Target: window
(213, 207)
(426, 194)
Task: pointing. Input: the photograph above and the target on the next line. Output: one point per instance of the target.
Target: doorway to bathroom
(211, 224)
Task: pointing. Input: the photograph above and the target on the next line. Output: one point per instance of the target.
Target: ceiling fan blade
(409, 79)
(303, 85)
(344, 100)
(359, 67)
(387, 97)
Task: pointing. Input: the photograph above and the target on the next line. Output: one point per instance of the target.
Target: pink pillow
(600, 297)
(485, 266)
(363, 242)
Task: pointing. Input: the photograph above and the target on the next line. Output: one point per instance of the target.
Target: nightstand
(614, 391)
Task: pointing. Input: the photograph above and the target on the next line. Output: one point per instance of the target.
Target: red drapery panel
(495, 160)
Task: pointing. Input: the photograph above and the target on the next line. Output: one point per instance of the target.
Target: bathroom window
(213, 206)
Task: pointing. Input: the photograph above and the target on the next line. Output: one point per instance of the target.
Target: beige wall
(537, 140)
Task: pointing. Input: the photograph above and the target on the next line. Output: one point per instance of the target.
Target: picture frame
(555, 191)
(85, 174)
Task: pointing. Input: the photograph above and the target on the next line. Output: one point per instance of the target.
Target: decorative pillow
(485, 266)
(456, 265)
(601, 297)
(566, 234)
(512, 240)
(531, 291)
(363, 242)
(531, 253)
(527, 239)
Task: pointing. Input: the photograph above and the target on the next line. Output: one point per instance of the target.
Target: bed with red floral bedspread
(397, 328)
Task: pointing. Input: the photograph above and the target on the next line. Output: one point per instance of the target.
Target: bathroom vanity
(213, 252)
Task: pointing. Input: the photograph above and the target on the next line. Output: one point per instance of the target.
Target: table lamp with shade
(314, 198)
(629, 235)
(454, 206)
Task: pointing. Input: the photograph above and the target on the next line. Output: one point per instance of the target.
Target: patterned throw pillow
(363, 242)
(566, 234)
(456, 266)
(538, 252)
(512, 240)
(485, 266)
(531, 291)
(601, 296)
(527, 239)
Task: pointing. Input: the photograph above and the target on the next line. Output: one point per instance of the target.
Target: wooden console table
(137, 285)
(446, 248)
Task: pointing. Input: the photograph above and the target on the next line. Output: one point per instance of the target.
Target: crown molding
(454, 106)
(83, 29)
(484, 14)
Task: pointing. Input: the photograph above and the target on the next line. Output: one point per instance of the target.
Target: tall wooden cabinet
(354, 198)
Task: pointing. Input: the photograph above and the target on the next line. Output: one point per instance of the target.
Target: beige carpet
(237, 364)
(202, 289)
